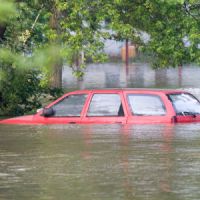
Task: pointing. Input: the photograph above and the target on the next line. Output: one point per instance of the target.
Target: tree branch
(187, 8)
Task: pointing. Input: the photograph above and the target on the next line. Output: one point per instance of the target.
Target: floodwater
(137, 75)
(100, 162)
(112, 162)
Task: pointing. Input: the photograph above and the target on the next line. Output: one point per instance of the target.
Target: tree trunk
(2, 31)
(56, 74)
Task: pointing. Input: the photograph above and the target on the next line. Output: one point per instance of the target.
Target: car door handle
(72, 122)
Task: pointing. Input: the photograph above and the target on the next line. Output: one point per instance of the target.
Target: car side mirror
(48, 112)
(39, 110)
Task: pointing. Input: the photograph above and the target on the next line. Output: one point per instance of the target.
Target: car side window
(146, 105)
(70, 106)
(105, 105)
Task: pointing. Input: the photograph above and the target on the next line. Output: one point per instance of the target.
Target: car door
(147, 107)
(66, 110)
(105, 107)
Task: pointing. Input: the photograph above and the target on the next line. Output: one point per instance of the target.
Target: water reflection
(147, 163)
(117, 75)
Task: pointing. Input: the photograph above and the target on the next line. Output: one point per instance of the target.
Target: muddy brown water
(100, 162)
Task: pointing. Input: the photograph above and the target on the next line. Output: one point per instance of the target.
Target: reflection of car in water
(125, 106)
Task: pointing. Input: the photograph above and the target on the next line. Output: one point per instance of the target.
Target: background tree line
(38, 36)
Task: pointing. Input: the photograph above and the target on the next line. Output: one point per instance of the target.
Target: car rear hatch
(186, 106)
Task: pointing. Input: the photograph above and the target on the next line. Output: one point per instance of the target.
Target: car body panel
(63, 120)
(27, 119)
(104, 120)
(187, 119)
(150, 119)
(128, 117)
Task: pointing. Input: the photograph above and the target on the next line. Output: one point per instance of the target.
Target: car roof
(148, 90)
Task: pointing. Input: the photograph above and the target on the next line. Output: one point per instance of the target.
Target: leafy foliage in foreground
(41, 35)
(23, 93)
(20, 92)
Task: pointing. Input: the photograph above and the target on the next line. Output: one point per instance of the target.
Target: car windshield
(185, 104)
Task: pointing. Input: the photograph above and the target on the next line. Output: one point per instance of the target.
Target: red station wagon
(123, 106)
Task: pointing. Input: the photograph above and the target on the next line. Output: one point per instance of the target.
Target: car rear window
(146, 105)
(185, 104)
(105, 105)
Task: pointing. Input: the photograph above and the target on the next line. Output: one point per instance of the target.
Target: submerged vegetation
(38, 36)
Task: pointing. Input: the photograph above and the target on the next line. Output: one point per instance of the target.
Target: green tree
(73, 26)
(173, 28)
(45, 34)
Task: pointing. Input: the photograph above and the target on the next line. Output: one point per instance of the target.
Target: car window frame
(109, 116)
(145, 94)
(66, 96)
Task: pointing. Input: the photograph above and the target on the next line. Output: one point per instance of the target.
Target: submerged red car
(123, 106)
